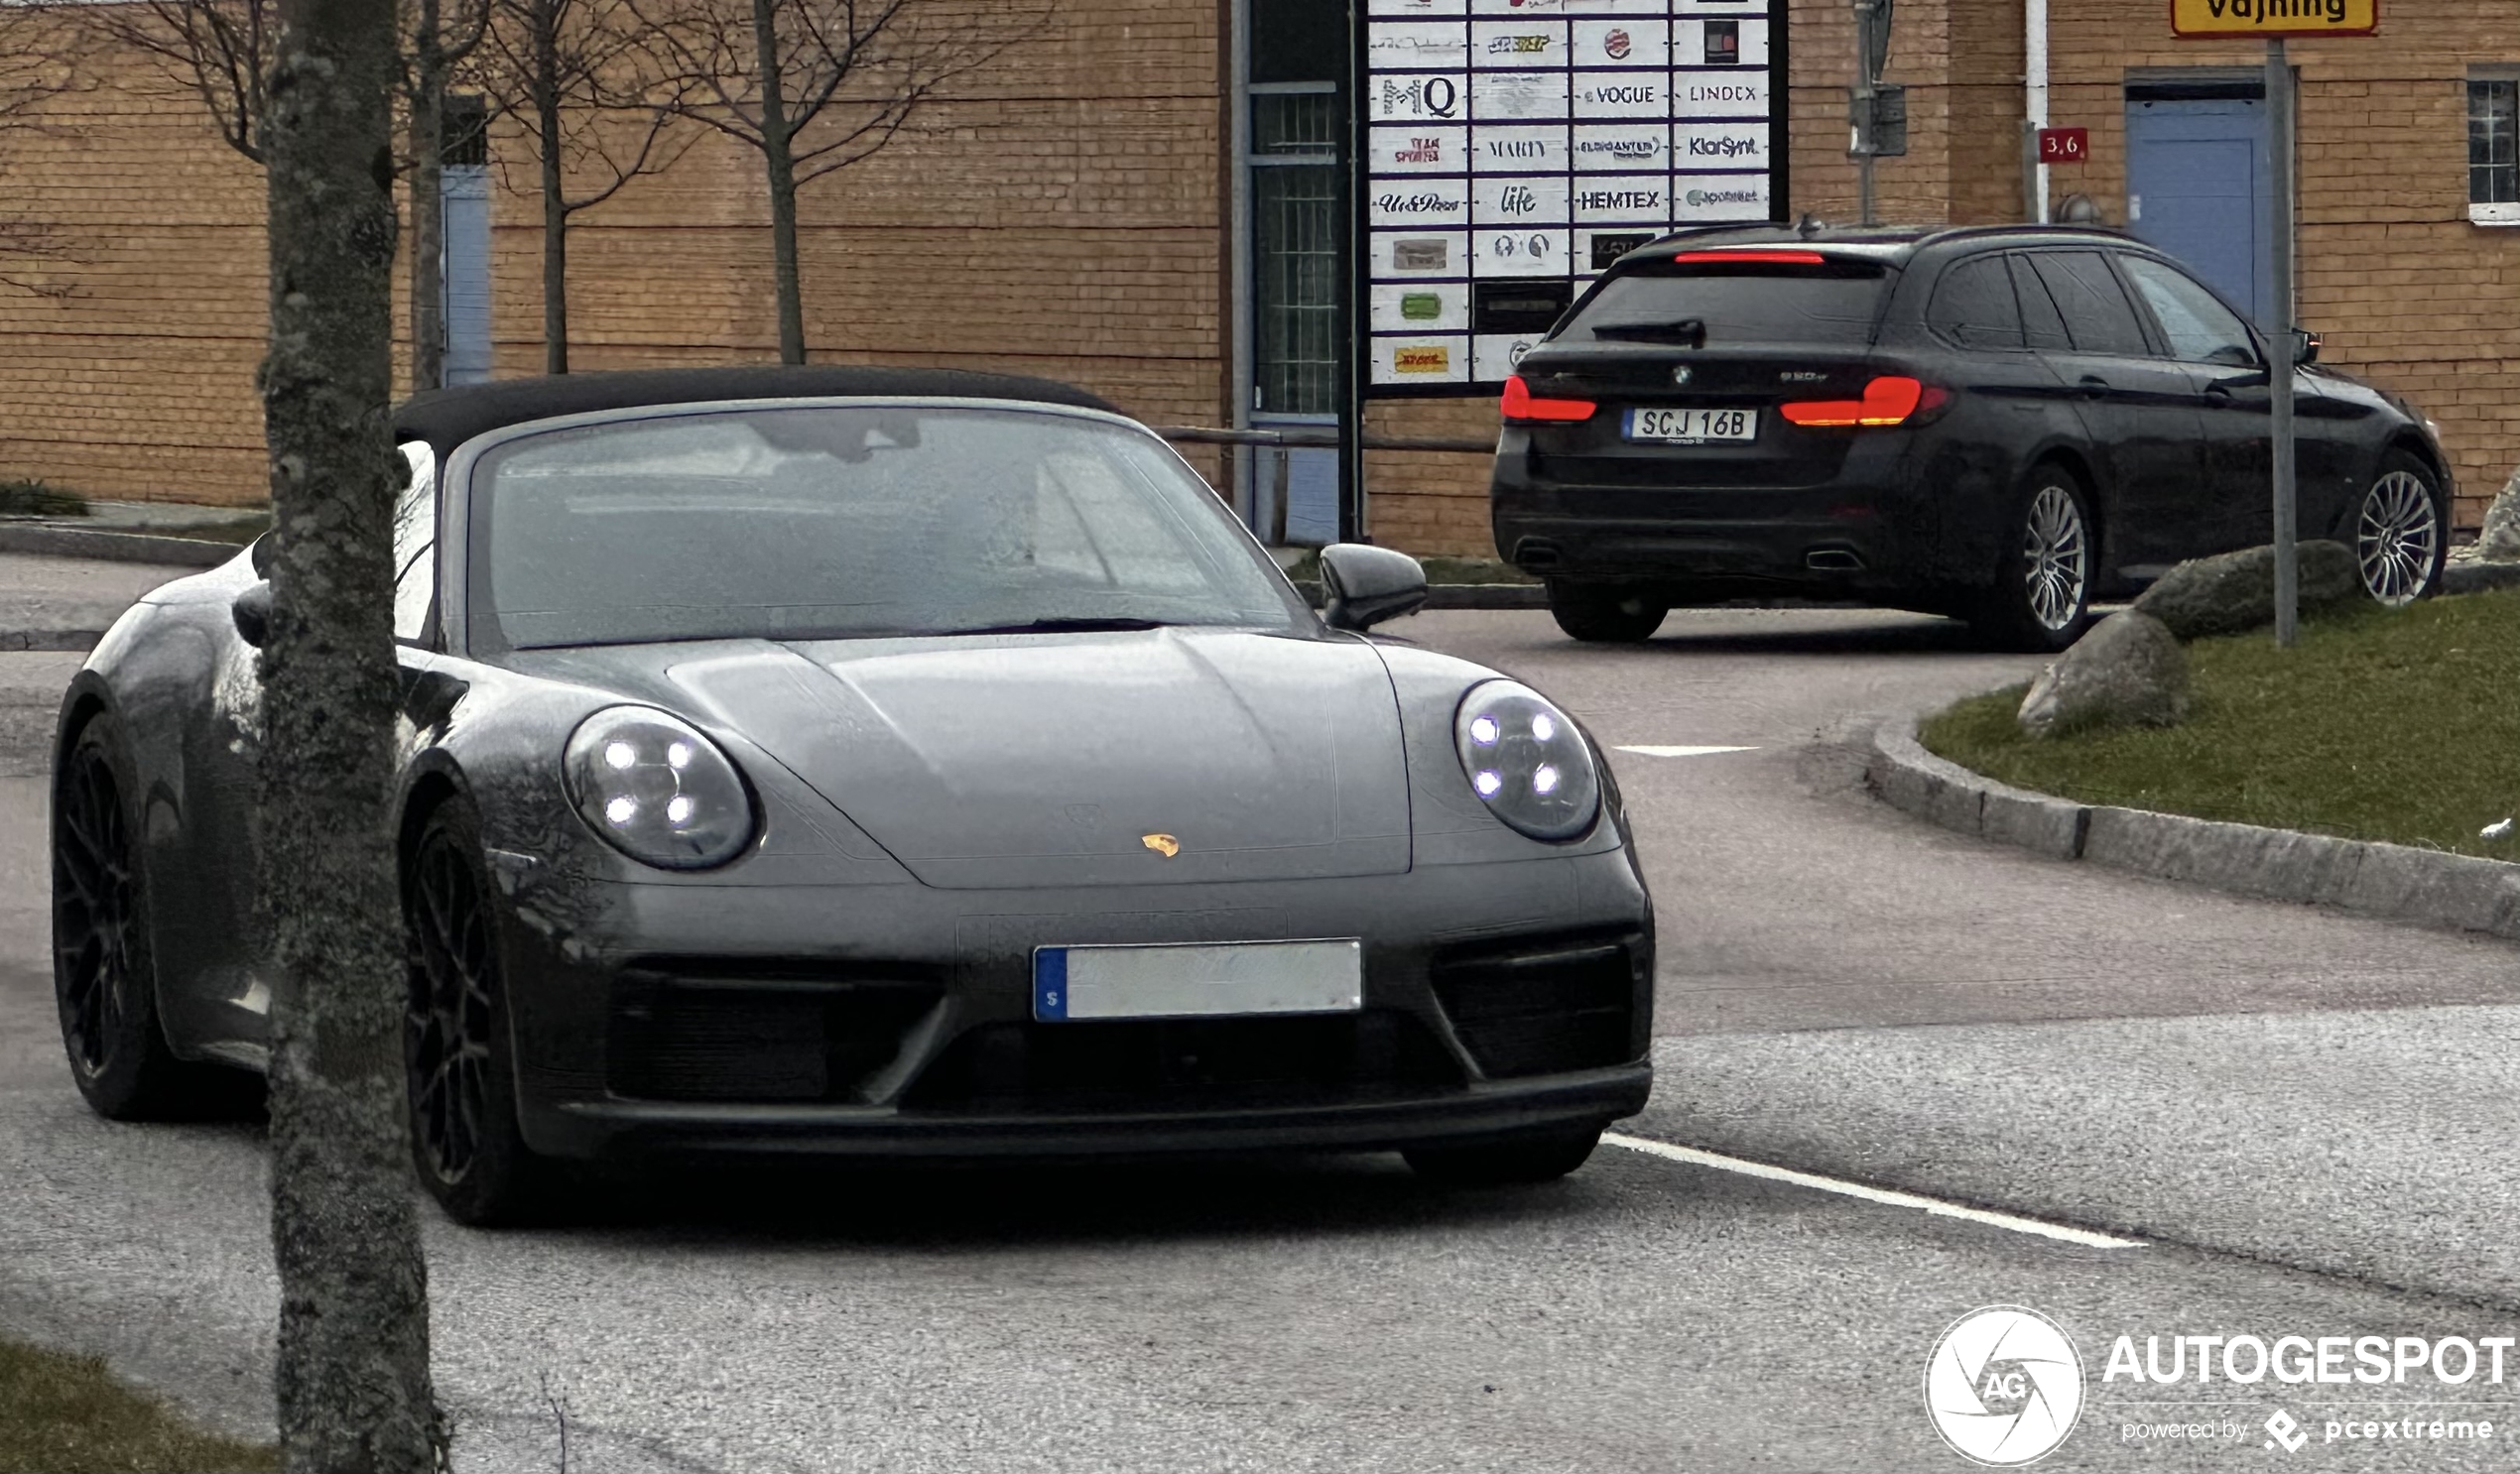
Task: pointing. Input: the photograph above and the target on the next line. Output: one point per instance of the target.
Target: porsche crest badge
(1162, 844)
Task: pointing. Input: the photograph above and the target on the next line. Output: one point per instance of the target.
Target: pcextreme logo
(2004, 1386)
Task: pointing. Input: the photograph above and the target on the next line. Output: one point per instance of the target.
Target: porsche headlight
(1526, 760)
(657, 790)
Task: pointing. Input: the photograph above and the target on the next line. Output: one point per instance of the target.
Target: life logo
(2004, 1386)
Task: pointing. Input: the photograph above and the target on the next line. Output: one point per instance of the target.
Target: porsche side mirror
(252, 613)
(2306, 345)
(1365, 586)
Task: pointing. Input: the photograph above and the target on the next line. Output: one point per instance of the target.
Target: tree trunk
(547, 123)
(778, 159)
(354, 1392)
(428, 210)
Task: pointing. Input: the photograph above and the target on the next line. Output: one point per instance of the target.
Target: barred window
(2494, 166)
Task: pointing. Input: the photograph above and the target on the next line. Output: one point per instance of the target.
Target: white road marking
(1695, 1158)
(1683, 752)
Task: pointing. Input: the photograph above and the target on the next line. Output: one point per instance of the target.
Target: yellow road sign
(2271, 18)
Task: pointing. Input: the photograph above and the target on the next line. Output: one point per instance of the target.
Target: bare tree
(816, 85)
(219, 53)
(39, 61)
(583, 82)
(353, 1379)
(435, 45)
(215, 51)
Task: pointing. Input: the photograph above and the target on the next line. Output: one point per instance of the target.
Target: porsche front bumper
(897, 1019)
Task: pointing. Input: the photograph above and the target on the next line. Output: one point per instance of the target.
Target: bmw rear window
(1733, 306)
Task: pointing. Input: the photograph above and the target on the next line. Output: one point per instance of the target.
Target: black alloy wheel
(1538, 1157)
(2401, 532)
(2041, 599)
(465, 1141)
(1605, 613)
(104, 976)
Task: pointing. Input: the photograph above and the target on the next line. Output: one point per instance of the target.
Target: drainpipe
(1238, 325)
(2034, 50)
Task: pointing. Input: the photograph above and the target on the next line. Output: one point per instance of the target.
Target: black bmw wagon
(1994, 423)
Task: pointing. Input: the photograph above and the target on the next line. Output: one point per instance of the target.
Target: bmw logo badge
(1680, 375)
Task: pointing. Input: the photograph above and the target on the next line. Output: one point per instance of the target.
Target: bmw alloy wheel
(2055, 559)
(449, 1051)
(2397, 539)
(94, 913)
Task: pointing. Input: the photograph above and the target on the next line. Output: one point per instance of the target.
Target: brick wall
(1061, 213)
(2409, 295)
(1056, 213)
(127, 359)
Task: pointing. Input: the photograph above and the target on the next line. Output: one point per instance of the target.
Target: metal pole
(2034, 49)
(1240, 322)
(1867, 16)
(2279, 332)
(1356, 343)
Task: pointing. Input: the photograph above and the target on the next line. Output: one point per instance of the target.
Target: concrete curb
(2394, 881)
(117, 547)
(2474, 576)
(14, 642)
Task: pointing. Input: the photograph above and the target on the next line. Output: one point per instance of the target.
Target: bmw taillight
(1522, 407)
(1893, 399)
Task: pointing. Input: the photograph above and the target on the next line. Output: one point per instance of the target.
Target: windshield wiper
(1689, 330)
(1092, 625)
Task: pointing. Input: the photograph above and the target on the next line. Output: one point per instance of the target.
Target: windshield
(1734, 306)
(865, 520)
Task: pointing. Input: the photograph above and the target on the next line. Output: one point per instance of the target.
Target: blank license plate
(1692, 426)
(1206, 980)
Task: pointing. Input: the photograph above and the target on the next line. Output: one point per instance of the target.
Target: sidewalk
(67, 604)
(170, 533)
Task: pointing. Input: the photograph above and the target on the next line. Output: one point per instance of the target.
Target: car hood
(1049, 760)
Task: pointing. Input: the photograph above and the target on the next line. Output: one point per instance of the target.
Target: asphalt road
(2304, 1116)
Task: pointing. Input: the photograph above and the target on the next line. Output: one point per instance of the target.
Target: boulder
(2130, 670)
(2235, 592)
(2501, 541)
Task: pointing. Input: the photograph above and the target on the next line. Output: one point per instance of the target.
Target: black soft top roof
(446, 418)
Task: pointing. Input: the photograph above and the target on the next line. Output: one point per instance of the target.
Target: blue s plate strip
(1050, 984)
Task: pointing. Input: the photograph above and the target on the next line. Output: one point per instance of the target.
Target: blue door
(466, 271)
(2196, 184)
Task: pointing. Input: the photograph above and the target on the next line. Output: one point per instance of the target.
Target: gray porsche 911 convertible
(877, 762)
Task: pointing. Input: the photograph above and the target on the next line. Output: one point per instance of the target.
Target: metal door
(2196, 182)
(1296, 323)
(465, 190)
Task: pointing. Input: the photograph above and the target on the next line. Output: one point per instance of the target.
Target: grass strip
(2396, 725)
(23, 497)
(67, 1414)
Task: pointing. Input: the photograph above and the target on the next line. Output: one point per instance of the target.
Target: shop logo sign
(1424, 97)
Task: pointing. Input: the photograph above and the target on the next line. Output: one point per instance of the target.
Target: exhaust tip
(1833, 561)
(1536, 554)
